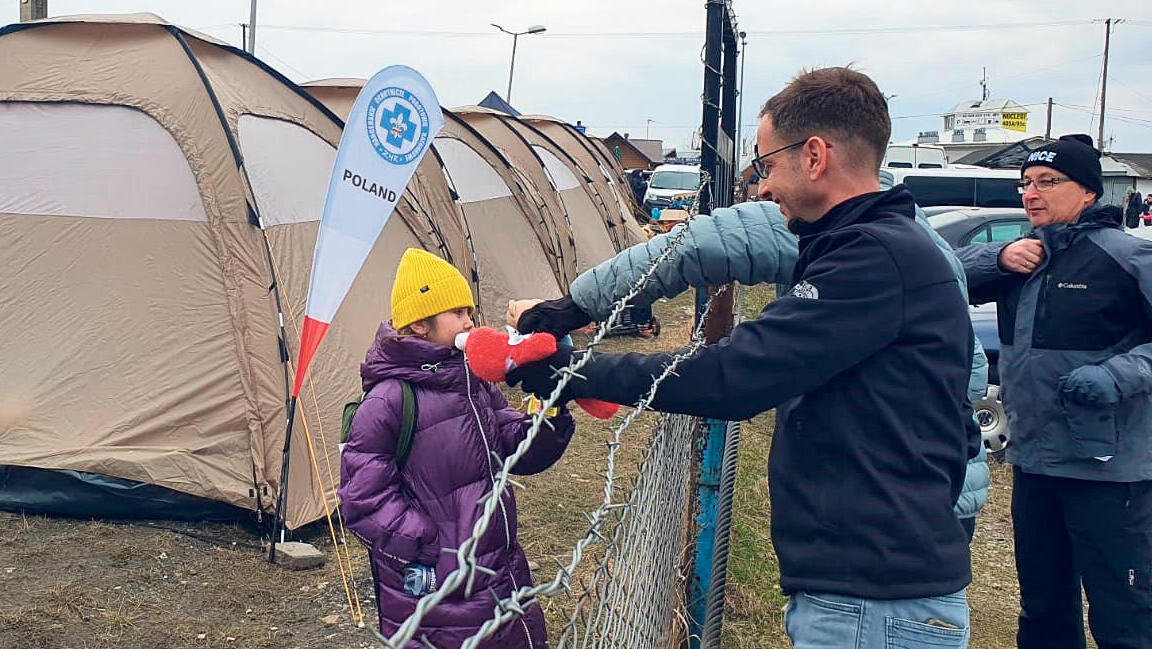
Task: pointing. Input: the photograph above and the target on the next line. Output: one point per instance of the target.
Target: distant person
(1147, 210)
(407, 509)
(638, 185)
(1133, 208)
(1074, 302)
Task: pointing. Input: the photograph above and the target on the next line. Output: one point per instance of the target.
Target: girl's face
(443, 327)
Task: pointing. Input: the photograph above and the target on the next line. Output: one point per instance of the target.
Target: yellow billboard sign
(1014, 121)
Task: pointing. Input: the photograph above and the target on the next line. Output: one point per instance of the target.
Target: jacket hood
(412, 359)
(1102, 215)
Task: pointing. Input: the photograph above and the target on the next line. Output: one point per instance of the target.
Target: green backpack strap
(408, 413)
(349, 412)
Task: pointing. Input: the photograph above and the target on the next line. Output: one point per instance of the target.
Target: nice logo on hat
(1042, 156)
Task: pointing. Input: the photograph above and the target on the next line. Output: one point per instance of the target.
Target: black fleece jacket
(867, 360)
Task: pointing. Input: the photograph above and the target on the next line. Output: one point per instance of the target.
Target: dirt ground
(90, 584)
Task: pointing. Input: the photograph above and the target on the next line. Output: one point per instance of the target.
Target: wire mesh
(634, 596)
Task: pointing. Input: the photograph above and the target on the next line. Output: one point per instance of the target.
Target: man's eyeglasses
(758, 160)
(1042, 185)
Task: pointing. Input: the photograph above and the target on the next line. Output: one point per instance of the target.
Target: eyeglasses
(758, 160)
(1042, 185)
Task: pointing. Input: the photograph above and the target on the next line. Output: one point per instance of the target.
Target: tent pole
(282, 493)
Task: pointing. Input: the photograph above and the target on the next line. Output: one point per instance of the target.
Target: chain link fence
(637, 544)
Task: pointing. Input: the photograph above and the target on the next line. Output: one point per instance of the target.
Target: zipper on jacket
(1043, 308)
(487, 453)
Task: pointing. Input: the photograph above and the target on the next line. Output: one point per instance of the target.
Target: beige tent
(609, 219)
(601, 168)
(160, 193)
(567, 202)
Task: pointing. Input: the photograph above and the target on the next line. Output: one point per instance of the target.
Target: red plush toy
(493, 353)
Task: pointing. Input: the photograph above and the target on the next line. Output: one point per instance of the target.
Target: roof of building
(651, 150)
(990, 105)
(1141, 163)
(1007, 157)
(496, 102)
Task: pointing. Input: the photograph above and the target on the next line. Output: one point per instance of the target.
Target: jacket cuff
(995, 266)
(1131, 372)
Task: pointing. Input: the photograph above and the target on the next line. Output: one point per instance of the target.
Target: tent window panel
(561, 175)
(92, 160)
(289, 168)
(475, 180)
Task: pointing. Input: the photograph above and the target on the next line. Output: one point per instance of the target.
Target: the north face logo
(806, 291)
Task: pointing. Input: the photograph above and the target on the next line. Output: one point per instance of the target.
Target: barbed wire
(467, 564)
(513, 605)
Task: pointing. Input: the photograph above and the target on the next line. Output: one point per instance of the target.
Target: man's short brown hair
(840, 104)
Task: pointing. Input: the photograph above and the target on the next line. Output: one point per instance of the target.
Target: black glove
(557, 317)
(541, 377)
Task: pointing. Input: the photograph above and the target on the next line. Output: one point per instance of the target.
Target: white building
(976, 125)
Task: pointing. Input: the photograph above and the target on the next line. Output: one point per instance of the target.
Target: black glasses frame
(758, 160)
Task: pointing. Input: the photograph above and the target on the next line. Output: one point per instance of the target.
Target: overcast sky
(615, 65)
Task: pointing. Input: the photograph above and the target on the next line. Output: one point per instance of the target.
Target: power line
(902, 29)
(291, 68)
(1130, 120)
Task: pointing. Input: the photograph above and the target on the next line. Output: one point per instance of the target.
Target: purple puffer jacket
(408, 516)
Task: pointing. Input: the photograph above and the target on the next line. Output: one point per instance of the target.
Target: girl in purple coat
(406, 516)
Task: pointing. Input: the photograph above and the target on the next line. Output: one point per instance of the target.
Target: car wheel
(993, 421)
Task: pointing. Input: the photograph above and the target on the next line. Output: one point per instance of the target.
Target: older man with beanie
(1074, 305)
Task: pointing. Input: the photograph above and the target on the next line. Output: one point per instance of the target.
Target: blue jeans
(824, 621)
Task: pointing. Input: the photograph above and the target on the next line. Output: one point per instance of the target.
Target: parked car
(990, 413)
(967, 225)
(667, 181)
(959, 185)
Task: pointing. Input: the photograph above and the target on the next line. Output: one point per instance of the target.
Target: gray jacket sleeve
(748, 243)
(981, 263)
(1133, 370)
(978, 380)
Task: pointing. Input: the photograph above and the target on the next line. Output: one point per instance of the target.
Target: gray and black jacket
(1088, 303)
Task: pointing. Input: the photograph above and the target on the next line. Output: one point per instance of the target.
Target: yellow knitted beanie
(425, 286)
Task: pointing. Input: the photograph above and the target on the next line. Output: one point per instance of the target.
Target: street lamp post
(535, 29)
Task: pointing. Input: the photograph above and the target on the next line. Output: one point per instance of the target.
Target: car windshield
(686, 180)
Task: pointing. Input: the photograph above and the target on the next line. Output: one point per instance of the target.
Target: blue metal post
(711, 461)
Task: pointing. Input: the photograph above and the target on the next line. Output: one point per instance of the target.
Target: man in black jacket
(867, 363)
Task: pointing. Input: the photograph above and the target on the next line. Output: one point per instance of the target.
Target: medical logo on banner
(397, 125)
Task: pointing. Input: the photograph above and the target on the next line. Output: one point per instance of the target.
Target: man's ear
(814, 158)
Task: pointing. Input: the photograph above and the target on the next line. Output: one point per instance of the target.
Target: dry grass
(75, 584)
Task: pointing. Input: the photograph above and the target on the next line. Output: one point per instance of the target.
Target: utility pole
(984, 86)
(739, 144)
(251, 40)
(1104, 82)
(1048, 128)
(33, 10)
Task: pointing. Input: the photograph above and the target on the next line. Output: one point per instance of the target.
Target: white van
(914, 156)
(668, 181)
(959, 185)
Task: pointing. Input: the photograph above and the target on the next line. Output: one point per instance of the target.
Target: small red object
(493, 353)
